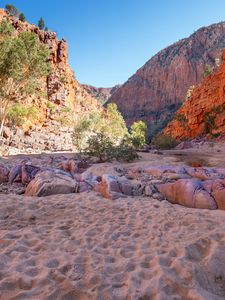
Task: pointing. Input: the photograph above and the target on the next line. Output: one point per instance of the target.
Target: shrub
(208, 70)
(18, 114)
(66, 109)
(162, 141)
(41, 23)
(63, 79)
(22, 17)
(6, 29)
(101, 147)
(11, 10)
(51, 106)
(125, 151)
(138, 134)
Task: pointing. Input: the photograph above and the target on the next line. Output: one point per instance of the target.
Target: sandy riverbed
(81, 246)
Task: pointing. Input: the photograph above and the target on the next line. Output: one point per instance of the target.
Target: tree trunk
(1, 127)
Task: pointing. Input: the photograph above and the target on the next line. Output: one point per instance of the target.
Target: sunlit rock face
(158, 88)
(204, 112)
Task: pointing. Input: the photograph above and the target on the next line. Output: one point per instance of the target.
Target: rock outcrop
(158, 88)
(101, 94)
(64, 97)
(204, 112)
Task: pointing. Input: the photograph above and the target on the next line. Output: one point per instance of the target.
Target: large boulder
(51, 182)
(187, 192)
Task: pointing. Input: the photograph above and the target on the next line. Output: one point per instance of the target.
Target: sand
(81, 246)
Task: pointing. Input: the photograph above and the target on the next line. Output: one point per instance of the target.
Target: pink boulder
(187, 192)
(51, 183)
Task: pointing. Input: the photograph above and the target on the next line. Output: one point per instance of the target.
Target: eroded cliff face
(52, 127)
(159, 87)
(101, 94)
(204, 111)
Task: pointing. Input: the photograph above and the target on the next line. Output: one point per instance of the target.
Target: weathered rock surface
(187, 192)
(158, 88)
(51, 128)
(4, 173)
(49, 182)
(101, 94)
(204, 112)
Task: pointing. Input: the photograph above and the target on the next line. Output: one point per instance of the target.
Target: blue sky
(110, 39)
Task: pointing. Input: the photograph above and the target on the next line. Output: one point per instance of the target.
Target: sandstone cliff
(157, 89)
(204, 111)
(101, 94)
(62, 97)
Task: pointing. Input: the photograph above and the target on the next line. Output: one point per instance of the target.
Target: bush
(162, 141)
(41, 23)
(11, 10)
(101, 147)
(6, 29)
(18, 114)
(138, 134)
(208, 70)
(51, 106)
(22, 17)
(125, 151)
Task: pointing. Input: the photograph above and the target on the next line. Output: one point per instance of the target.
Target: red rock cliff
(62, 87)
(204, 111)
(157, 89)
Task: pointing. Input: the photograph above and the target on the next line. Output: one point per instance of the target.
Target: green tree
(46, 28)
(22, 17)
(41, 23)
(11, 9)
(80, 132)
(114, 125)
(23, 62)
(138, 134)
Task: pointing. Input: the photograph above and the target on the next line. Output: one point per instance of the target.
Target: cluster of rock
(191, 187)
(50, 137)
(162, 83)
(204, 111)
